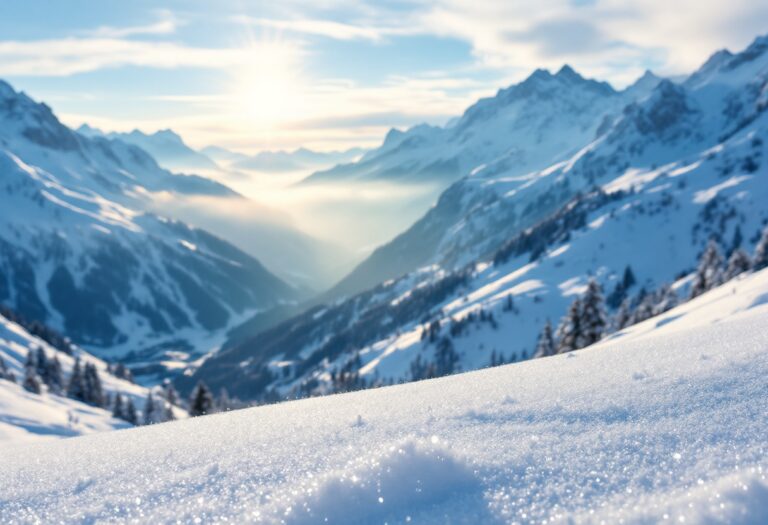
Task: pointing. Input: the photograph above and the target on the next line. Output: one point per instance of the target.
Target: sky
(331, 74)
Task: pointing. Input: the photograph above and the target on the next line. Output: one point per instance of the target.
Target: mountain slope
(80, 250)
(661, 422)
(25, 416)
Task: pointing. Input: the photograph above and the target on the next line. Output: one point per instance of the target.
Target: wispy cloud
(167, 24)
(325, 28)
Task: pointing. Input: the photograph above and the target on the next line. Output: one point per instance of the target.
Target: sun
(268, 83)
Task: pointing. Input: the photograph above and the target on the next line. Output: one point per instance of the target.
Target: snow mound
(403, 480)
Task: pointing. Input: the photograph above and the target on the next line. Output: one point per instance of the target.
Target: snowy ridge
(26, 416)
(661, 422)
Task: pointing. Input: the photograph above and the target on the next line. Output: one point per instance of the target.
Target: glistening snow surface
(663, 422)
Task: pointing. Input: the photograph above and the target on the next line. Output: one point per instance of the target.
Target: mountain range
(644, 181)
(82, 249)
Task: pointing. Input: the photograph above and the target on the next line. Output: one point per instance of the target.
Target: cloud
(606, 37)
(167, 25)
(69, 56)
(325, 28)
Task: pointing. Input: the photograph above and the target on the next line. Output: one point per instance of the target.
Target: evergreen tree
(546, 346)
(118, 411)
(201, 401)
(122, 372)
(171, 398)
(150, 415)
(76, 386)
(32, 381)
(569, 330)
(41, 364)
(130, 412)
(224, 403)
(446, 357)
(54, 375)
(709, 272)
(94, 394)
(593, 321)
(760, 260)
(5, 372)
(738, 263)
(623, 317)
(645, 308)
(666, 299)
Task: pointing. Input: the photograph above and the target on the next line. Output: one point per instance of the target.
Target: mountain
(301, 159)
(81, 250)
(221, 155)
(528, 126)
(664, 421)
(502, 254)
(166, 146)
(27, 416)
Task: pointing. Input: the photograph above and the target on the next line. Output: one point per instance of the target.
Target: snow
(662, 422)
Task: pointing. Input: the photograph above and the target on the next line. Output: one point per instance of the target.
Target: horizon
(260, 78)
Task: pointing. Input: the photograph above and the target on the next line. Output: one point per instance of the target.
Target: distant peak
(567, 72)
(6, 90)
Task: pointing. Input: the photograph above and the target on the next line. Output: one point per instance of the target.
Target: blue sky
(330, 74)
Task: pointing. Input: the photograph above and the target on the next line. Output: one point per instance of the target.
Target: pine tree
(709, 272)
(623, 317)
(665, 299)
(569, 330)
(201, 401)
(32, 381)
(546, 346)
(130, 412)
(5, 372)
(645, 308)
(446, 357)
(54, 375)
(593, 321)
(76, 386)
(118, 411)
(94, 394)
(171, 398)
(150, 415)
(738, 263)
(760, 260)
(41, 364)
(224, 403)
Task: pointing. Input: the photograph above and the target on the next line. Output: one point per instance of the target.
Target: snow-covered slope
(80, 251)
(26, 416)
(511, 280)
(166, 146)
(669, 123)
(663, 422)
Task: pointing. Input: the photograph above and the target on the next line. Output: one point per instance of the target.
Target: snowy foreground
(665, 422)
